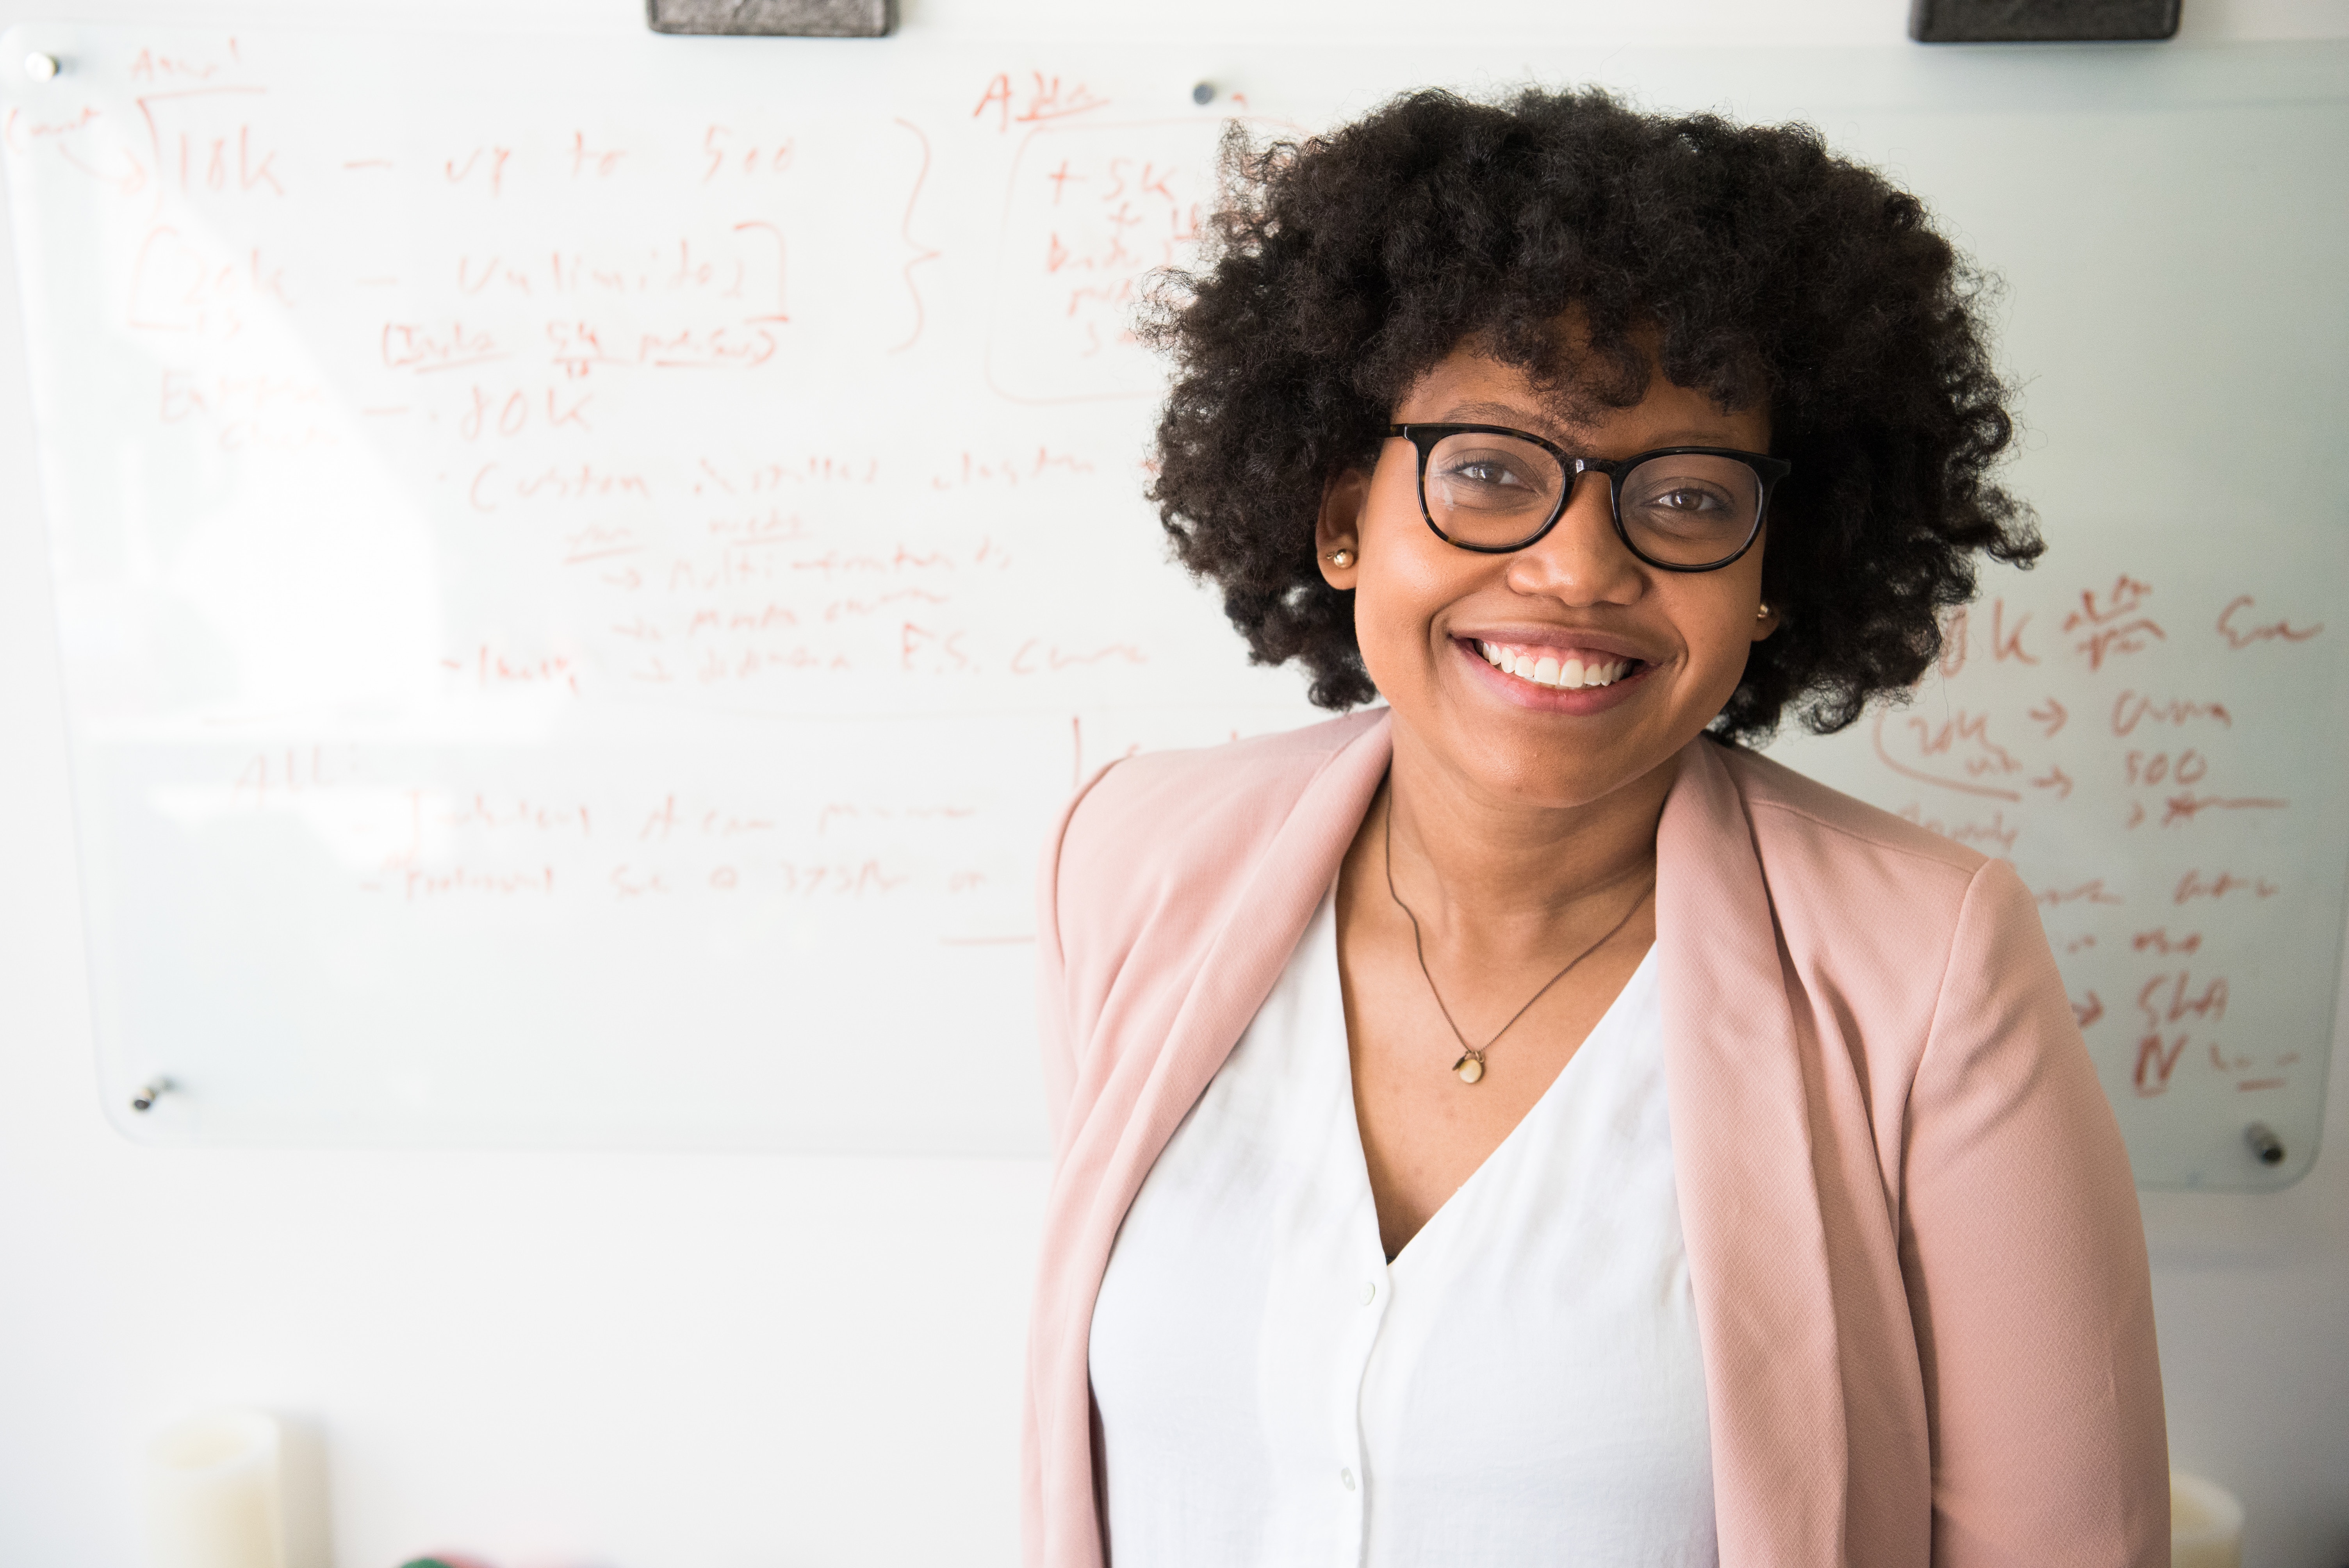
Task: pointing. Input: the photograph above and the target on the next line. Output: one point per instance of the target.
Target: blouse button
(1347, 1476)
(1370, 1291)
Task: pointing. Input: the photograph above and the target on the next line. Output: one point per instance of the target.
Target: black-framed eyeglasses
(1493, 490)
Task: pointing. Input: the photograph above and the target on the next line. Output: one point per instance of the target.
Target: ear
(1765, 620)
(1339, 527)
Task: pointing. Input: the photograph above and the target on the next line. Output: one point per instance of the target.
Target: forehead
(1470, 386)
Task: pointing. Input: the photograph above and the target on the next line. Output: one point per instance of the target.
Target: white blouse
(1520, 1386)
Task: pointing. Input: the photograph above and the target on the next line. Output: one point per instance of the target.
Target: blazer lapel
(1741, 1152)
(1238, 971)
(1249, 955)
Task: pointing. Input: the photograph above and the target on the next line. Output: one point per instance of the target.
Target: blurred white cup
(214, 1493)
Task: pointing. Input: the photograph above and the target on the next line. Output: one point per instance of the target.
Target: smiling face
(1557, 674)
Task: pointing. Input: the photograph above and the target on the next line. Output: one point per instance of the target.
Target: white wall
(661, 1361)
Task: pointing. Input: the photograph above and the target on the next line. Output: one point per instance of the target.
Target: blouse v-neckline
(1522, 1382)
(1608, 1026)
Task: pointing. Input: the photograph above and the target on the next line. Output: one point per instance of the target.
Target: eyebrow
(1537, 421)
(1521, 416)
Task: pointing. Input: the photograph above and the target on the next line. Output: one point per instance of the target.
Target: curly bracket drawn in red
(905, 233)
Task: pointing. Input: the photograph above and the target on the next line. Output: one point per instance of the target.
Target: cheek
(1408, 577)
(1390, 514)
(1717, 627)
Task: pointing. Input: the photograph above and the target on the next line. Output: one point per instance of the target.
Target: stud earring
(1760, 611)
(1341, 558)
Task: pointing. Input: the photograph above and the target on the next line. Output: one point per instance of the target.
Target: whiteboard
(585, 565)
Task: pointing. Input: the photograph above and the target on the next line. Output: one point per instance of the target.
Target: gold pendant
(1470, 1068)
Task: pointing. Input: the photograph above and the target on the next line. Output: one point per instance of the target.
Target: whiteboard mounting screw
(1203, 94)
(144, 1100)
(41, 68)
(2264, 1143)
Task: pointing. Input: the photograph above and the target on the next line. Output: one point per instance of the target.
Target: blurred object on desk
(2205, 1523)
(214, 1493)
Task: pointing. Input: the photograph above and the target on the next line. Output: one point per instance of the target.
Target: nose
(1581, 561)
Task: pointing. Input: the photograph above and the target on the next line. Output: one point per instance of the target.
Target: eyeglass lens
(1681, 510)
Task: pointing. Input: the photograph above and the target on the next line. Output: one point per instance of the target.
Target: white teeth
(1547, 669)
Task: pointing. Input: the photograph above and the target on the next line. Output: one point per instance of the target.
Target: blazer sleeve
(2025, 1262)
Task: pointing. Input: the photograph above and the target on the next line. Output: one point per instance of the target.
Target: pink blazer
(1919, 1274)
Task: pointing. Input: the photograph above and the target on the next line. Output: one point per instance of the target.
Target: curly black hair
(1753, 265)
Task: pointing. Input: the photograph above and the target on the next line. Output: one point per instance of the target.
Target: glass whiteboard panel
(585, 565)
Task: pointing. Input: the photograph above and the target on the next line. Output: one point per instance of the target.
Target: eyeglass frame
(1425, 439)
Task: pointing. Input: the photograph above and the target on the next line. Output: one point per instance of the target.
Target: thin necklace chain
(1470, 1065)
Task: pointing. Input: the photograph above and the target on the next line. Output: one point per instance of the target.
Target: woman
(1518, 1125)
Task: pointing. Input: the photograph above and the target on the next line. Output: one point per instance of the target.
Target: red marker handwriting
(2194, 885)
(2242, 631)
(2132, 708)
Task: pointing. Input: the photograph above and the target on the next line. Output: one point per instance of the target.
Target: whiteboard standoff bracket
(144, 1100)
(42, 68)
(775, 18)
(2265, 1145)
(2041, 21)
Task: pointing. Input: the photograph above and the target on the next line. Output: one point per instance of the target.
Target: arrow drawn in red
(2057, 781)
(2052, 716)
(133, 177)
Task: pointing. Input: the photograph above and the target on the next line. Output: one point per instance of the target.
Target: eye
(1686, 498)
(1491, 469)
(1690, 507)
(1478, 481)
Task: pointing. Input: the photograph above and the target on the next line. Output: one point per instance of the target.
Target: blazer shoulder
(1873, 907)
(1782, 804)
(1166, 837)
(1163, 804)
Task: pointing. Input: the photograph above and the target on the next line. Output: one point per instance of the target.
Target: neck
(1506, 872)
